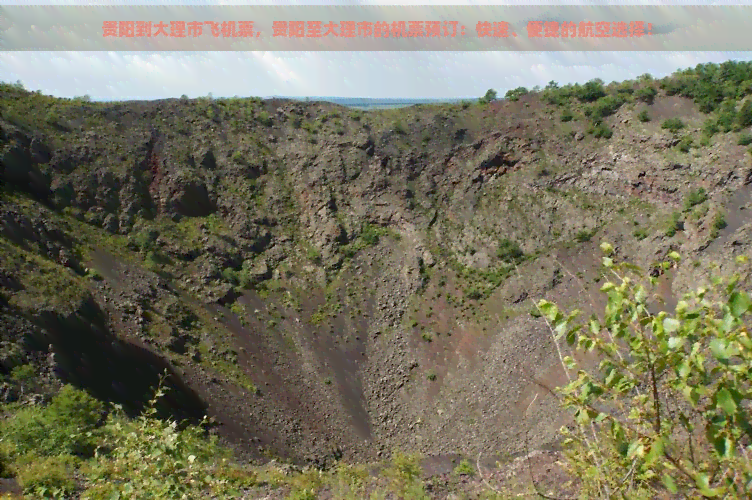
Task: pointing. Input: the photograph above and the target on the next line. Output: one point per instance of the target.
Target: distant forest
(370, 103)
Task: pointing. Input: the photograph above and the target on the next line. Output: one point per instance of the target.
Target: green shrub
(694, 198)
(744, 118)
(600, 131)
(93, 274)
(65, 426)
(23, 373)
(744, 140)
(675, 224)
(490, 96)
(644, 116)
(474, 293)
(727, 119)
(640, 233)
(303, 494)
(603, 107)
(710, 84)
(231, 276)
(661, 378)
(673, 125)
(465, 468)
(719, 222)
(584, 235)
(591, 91)
(509, 251)
(159, 459)
(515, 94)
(265, 119)
(370, 235)
(567, 115)
(47, 477)
(407, 466)
(144, 240)
(557, 96)
(313, 254)
(646, 94)
(625, 87)
(685, 144)
(710, 127)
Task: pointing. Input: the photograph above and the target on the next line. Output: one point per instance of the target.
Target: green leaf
(607, 248)
(714, 435)
(635, 449)
(692, 395)
(656, 451)
(675, 343)
(684, 370)
(608, 286)
(608, 262)
(703, 484)
(674, 256)
(731, 286)
(719, 349)
(571, 337)
(595, 326)
(681, 306)
(670, 484)
(548, 309)
(725, 401)
(570, 363)
(640, 295)
(739, 303)
(670, 325)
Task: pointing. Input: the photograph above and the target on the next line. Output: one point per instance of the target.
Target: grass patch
(45, 283)
(640, 233)
(585, 235)
(674, 225)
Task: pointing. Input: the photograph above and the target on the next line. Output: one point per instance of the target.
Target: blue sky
(144, 75)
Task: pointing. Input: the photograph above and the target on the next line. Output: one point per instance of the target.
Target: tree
(666, 410)
(646, 94)
(645, 77)
(515, 94)
(591, 91)
(490, 96)
(745, 114)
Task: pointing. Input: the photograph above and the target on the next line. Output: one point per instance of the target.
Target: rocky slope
(331, 283)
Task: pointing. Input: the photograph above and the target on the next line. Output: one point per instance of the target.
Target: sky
(154, 75)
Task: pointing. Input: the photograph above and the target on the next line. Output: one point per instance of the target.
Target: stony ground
(328, 283)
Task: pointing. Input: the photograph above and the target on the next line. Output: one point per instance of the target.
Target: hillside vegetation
(247, 298)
